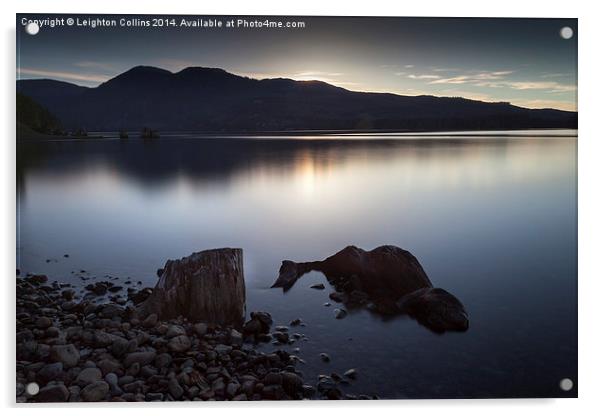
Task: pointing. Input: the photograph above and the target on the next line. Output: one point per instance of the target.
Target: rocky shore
(91, 344)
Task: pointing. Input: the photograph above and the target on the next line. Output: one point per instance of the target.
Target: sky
(523, 61)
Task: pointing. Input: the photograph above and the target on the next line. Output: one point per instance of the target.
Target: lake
(492, 218)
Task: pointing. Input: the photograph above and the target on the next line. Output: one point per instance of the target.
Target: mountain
(211, 99)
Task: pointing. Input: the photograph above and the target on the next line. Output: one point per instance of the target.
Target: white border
(590, 207)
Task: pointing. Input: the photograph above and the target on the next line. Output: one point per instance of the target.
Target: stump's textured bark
(207, 286)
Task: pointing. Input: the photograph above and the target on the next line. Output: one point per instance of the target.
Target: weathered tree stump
(208, 286)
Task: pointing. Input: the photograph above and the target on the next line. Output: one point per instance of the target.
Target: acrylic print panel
(281, 208)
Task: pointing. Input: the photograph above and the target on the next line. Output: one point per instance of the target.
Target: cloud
(438, 69)
(318, 74)
(461, 79)
(423, 76)
(477, 78)
(537, 85)
(556, 75)
(71, 76)
(499, 79)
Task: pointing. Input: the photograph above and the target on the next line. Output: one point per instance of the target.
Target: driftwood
(207, 286)
(388, 280)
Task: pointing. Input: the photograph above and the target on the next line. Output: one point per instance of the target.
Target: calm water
(491, 219)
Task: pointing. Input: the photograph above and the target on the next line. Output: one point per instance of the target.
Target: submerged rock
(259, 324)
(384, 270)
(436, 309)
(340, 313)
(387, 280)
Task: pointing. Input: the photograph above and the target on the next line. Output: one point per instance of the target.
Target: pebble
(94, 392)
(68, 294)
(351, 373)
(200, 329)
(236, 337)
(163, 360)
(74, 394)
(222, 349)
(318, 286)
(174, 331)
(119, 346)
(291, 382)
(43, 322)
(340, 313)
(66, 354)
(154, 397)
(53, 393)
(179, 344)
(50, 372)
(150, 321)
(175, 389)
(272, 378)
(142, 358)
(88, 376)
(336, 296)
(232, 389)
(108, 366)
(281, 337)
(113, 382)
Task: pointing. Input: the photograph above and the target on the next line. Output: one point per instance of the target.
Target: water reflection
(202, 161)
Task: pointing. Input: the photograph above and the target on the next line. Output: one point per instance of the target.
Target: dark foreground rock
(387, 280)
(207, 286)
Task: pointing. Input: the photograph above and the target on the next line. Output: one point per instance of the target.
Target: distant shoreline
(29, 135)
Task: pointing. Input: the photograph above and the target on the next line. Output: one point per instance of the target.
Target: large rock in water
(390, 278)
(386, 270)
(208, 286)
